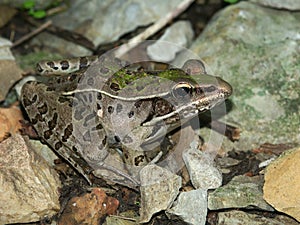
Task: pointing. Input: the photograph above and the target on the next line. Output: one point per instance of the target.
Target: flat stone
(191, 207)
(239, 217)
(29, 186)
(240, 192)
(201, 168)
(159, 188)
(282, 183)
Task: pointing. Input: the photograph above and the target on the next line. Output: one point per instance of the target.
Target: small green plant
(37, 14)
(231, 1)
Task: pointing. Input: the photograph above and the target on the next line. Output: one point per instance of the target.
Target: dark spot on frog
(139, 160)
(78, 113)
(39, 117)
(83, 62)
(162, 107)
(87, 136)
(104, 70)
(199, 91)
(98, 106)
(110, 109)
(64, 65)
(90, 81)
(85, 99)
(138, 104)
(58, 145)
(39, 68)
(210, 88)
(104, 141)
(139, 88)
(130, 114)
(119, 108)
(27, 102)
(99, 96)
(117, 138)
(62, 99)
(51, 65)
(67, 132)
(43, 108)
(90, 97)
(34, 121)
(50, 88)
(88, 118)
(98, 127)
(72, 77)
(52, 123)
(74, 149)
(114, 87)
(47, 134)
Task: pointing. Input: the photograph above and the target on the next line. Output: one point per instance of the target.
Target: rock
(287, 4)
(240, 192)
(159, 188)
(88, 209)
(282, 183)
(258, 60)
(239, 217)
(201, 168)
(29, 186)
(108, 20)
(9, 71)
(191, 207)
(61, 46)
(179, 35)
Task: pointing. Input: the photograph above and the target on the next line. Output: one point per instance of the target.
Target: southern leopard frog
(85, 115)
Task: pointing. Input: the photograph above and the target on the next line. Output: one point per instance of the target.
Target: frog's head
(189, 96)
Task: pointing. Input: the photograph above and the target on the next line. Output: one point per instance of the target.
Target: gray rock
(203, 173)
(256, 50)
(108, 20)
(159, 188)
(238, 217)
(191, 207)
(240, 192)
(9, 70)
(60, 45)
(29, 186)
(180, 35)
(287, 4)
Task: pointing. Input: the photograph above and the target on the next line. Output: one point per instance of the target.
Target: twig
(32, 33)
(153, 29)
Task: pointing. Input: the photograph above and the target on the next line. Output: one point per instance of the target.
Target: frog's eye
(182, 90)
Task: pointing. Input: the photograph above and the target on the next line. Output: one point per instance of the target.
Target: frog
(101, 116)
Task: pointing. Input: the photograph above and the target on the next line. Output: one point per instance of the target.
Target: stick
(32, 33)
(153, 29)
